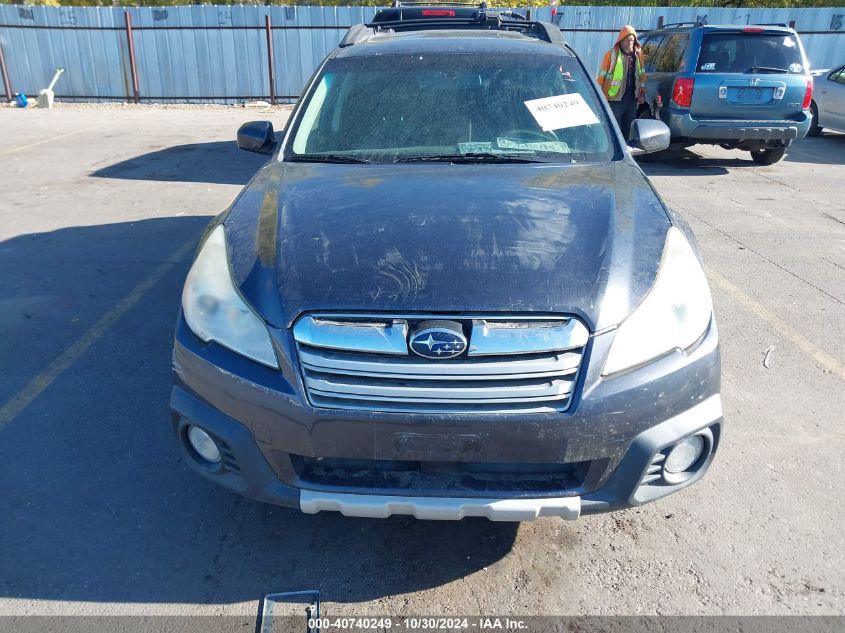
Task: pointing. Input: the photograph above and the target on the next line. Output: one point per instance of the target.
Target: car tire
(815, 128)
(768, 156)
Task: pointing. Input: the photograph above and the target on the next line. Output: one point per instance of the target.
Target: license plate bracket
(290, 612)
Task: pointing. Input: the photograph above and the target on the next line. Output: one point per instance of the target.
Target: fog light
(202, 443)
(684, 455)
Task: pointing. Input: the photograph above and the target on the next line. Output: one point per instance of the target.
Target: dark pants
(625, 112)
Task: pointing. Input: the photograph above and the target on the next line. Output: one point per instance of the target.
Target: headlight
(214, 309)
(673, 315)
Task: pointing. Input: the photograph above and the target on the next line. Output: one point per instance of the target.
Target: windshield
(750, 52)
(456, 107)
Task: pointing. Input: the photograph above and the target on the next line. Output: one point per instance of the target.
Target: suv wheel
(815, 128)
(767, 156)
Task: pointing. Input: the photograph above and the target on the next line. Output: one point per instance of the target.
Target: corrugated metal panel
(224, 58)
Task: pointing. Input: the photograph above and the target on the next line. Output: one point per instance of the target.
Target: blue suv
(740, 87)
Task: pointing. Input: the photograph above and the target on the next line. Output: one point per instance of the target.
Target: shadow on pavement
(219, 162)
(97, 504)
(826, 149)
(672, 161)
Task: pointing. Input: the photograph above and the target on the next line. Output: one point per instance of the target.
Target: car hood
(576, 239)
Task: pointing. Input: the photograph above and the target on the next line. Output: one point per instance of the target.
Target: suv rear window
(750, 52)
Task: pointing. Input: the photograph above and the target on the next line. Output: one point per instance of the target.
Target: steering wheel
(521, 133)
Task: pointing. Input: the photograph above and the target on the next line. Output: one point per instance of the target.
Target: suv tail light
(682, 92)
(438, 13)
(808, 94)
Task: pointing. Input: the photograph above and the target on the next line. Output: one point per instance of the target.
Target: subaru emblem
(438, 340)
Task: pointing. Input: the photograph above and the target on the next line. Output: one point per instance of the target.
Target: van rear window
(750, 53)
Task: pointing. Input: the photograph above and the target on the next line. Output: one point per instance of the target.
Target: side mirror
(648, 136)
(257, 136)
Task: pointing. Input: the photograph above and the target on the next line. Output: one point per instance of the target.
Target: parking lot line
(781, 326)
(21, 148)
(44, 379)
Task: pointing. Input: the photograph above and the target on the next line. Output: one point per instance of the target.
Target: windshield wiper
(471, 157)
(325, 158)
(766, 69)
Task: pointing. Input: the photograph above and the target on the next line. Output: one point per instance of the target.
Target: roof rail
(357, 34)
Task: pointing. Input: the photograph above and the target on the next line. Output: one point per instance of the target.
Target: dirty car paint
(573, 239)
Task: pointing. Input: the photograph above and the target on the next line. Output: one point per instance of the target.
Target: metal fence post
(270, 65)
(132, 66)
(6, 85)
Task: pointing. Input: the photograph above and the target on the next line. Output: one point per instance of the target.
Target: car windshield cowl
(473, 157)
(326, 158)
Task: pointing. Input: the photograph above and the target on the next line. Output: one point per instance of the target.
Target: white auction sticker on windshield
(555, 113)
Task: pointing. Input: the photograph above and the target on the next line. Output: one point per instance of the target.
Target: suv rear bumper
(616, 430)
(683, 126)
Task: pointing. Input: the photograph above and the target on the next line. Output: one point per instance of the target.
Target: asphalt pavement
(100, 210)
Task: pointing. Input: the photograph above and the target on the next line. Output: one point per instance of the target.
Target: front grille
(511, 365)
(398, 476)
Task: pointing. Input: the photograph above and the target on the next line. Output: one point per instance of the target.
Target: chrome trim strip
(428, 316)
(556, 365)
(555, 390)
(539, 405)
(501, 337)
(390, 336)
(439, 508)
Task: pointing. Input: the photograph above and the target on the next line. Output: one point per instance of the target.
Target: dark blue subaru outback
(451, 292)
(741, 87)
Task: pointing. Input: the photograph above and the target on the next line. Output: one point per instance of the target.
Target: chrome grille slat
(522, 365)
(496, 338)
(445, 400)
(345, 363)
(415, 392)
(387, 337)
(434, 407)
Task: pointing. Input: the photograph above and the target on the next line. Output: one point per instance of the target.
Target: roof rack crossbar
(422, 24)
(677, 24)
(506, 21)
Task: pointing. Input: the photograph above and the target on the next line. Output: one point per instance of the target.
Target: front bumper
(614, 431)
(683, 126)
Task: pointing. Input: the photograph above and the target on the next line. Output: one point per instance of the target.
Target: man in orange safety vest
(622, 78)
